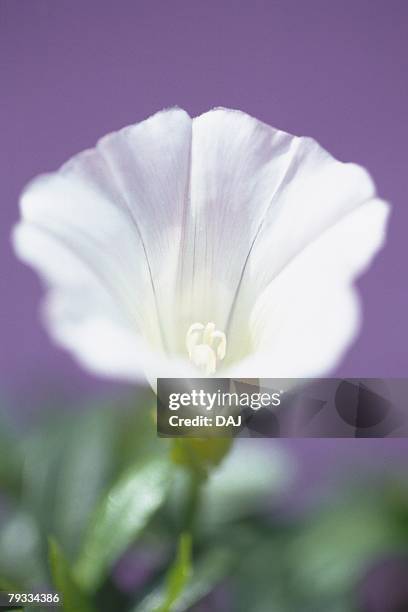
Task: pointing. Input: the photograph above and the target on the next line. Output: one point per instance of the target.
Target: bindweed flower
(213, 245)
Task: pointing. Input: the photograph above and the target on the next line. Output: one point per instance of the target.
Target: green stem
(192, 501)
(181, 568)
(197, 457)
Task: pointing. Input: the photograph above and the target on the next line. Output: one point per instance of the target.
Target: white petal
(104, 231)
(305, 319)
(237, 164)
(258, 197)
(105, 347)
(83, 317)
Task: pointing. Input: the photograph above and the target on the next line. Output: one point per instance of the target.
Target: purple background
(72, 71)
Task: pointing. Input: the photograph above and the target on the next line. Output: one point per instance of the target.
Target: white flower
(209, 245)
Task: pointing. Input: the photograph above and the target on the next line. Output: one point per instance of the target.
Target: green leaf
(120, 518)
(179, 572)
(339, 543)
(251, 474)
(10, 586)
(42, 463)
(264, 579)
(86, 467)
(73, 599)
(209, 571)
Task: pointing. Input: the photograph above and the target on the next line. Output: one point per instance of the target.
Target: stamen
(193, 335)
(206, 346)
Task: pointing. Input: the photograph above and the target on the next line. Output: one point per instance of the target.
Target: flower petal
(82, 316)
(103, 232)
(237, 164)
(258, 197)
(304, 320)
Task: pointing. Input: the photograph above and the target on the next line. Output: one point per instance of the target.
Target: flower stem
(180, 570)
(192, 500)
(198, 457)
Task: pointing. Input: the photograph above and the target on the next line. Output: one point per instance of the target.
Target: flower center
(206, 346)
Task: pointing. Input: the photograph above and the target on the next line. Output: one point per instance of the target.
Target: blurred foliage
(178, 574)
(74, 599)
(119, 519)
(84, 495)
